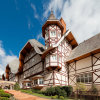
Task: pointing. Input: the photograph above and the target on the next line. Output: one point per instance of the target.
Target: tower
(52, 31)
(57, 50)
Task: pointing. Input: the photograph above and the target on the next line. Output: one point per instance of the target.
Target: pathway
(23, 96)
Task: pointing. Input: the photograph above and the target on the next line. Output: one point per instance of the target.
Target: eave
(51, 22)
(84, 56)
(72, 41)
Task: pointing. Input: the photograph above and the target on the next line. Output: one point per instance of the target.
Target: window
(28, 84)
(59, 59)
(41, 81)
(47, 59)
(54, 57)
(84, 78)
(32, 59)
(59, 35)
(53, 33)
(35, 82)
(59, 48)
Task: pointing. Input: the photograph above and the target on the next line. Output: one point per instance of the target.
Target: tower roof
(52, 17)
(52, 20)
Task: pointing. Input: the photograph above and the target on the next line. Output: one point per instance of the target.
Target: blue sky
(21, 20)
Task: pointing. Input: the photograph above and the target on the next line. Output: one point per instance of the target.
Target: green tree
(16, 86)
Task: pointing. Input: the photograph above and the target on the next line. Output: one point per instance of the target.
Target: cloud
(4, 58)
(56, 5)
(30, 24)
(81, 16)
(35, 12)
(39, 36)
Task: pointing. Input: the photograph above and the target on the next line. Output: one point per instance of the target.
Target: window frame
(53, 33)
(84, 78)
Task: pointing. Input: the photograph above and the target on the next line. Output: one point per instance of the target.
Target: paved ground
(23, 96)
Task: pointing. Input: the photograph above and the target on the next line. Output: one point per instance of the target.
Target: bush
(68, 90)
(81, 88)
(16, 86)
(1, 91)
(4, 98)
(3, 94)
(52, 91)
(93, 89)
(54, 97)
(60, 92)
(61, 97)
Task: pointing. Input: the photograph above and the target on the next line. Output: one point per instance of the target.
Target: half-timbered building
(62, 61)
(83, 64)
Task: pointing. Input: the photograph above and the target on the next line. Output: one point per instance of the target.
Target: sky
(21, 20)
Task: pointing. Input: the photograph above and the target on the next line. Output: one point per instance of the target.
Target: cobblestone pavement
(23, 96)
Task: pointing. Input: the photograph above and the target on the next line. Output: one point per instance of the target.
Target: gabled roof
(52, 20)
(32, 43)
(86, 48)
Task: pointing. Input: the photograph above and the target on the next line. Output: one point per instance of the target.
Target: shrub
(3, 94)
(52, 91)
(93, 89)
(16, 86)
(54, 97)
(1, 91)
(81, 88)
(60, 92)
(68, 89)
(4, 98)
(61, 97)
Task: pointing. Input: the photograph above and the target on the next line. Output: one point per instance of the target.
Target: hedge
(64, 91)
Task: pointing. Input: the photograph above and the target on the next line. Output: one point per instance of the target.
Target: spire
(52, 17)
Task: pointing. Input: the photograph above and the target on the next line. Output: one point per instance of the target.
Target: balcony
(26, 84)
(38, 82)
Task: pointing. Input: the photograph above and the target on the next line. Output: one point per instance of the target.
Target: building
(11, 71)
(84, 63)
(10, 77)
(62, 61)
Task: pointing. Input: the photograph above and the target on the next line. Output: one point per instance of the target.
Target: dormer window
(53, 33)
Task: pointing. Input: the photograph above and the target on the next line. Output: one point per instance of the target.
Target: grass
(35, 94)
